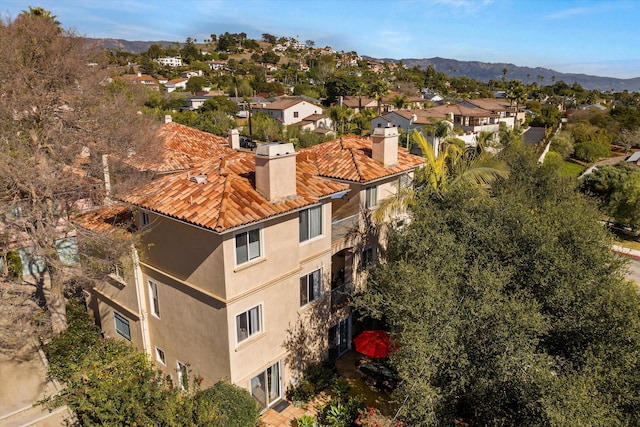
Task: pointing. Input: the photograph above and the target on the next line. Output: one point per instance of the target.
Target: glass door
(339, 338)
(265, 387)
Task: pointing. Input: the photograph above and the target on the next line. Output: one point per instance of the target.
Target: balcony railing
(341, 227)
(340, 294)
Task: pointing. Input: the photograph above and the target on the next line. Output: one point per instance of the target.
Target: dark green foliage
(504, 308)
(321, 374)
(301, 392)
(220, 103)
(234, 406)
(14, 265)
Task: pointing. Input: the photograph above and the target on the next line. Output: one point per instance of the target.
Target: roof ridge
(355, 163)
(224, 201)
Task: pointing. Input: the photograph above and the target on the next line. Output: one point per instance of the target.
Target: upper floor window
(371, 197)
(310, 223)
(144, 218)
(367, 257)
(310, 287)
(122, 326)
(153, 294)
(295, 114)
(160, 357)
(247, 246)
(249, 323)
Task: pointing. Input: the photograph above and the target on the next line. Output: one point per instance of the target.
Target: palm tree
(378, 90)
(440, 132)
(456, 166)
(453, 168)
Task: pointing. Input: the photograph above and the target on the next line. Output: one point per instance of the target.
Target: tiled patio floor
(346, 367)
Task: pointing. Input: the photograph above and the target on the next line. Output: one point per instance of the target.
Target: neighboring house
(317, 122)
(505, 109)
(287, 111)
(242, 251)
(140, 78)
(171, 61)
(191, 73)
(358, 104)
(217, 65)
(174, 84)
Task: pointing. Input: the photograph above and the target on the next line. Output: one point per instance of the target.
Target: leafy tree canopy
(504, 308)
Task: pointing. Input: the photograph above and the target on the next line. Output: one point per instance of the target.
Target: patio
(346, 366)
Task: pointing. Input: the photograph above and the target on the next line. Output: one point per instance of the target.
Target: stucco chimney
(276, 171)
(167, 118)
(234, 139)
(384, 147)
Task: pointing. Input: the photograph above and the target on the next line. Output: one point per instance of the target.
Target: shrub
(14, 265)
(321, 374)
(340, 411)
(307, 421)
(302, 392)
(234, 405)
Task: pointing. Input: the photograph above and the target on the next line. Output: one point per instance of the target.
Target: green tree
(562, 143)
(265, 128)
(502, 304)
(195, 84)
(220, 103)
(591, 142)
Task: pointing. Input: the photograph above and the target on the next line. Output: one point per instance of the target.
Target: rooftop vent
(199, 179)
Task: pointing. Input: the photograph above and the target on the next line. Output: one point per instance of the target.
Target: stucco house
(287, 111)
(244, 251)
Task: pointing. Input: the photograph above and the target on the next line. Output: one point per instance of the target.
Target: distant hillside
(485, 71)
(130, 46)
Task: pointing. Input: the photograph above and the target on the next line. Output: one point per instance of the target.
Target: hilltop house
(243, 254)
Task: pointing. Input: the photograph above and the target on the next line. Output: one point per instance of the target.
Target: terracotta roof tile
(181, 147)
(228, 199)
(349, 158)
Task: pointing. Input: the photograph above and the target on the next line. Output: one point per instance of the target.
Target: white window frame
(248, 246)
(161, 356)
(154, 302)
(119, 317)
(307, 295)
(307, 231)
(250, 330)
(371, 197)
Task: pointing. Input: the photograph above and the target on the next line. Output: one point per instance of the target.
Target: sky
(594, 37)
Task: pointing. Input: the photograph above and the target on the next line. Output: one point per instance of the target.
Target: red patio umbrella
(375, 344)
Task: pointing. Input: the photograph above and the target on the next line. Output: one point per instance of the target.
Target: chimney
(234, 139)
(384, 147)
(276, 171)
(167, 118)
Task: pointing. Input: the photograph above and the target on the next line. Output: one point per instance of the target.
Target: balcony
(343, 226)
(340, 295)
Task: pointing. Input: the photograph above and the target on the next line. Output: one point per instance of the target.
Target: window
(371, 197)
(160, 356)
(310, 287)
(295, 114)
(310, 223)
(248, 323)
(247, 246)
(183, 374)
(367, 257)
(122, 326)
(144, 219)
(153, 294)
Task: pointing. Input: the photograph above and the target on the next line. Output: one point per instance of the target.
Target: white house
(287, 111)
(171, 61)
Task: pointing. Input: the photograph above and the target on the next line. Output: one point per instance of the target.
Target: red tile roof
(182, 147)
(228, 199)
(349, 158)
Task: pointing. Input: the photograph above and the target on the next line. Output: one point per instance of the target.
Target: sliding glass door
(265, 387)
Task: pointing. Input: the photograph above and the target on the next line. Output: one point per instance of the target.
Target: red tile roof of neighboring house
(105, 218)
(491, 104)
(349, 158)
(182, 147)
(228, 199)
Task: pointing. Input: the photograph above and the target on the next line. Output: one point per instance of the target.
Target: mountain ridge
(477, 70)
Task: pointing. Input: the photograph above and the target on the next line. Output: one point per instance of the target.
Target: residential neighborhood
(261, 232)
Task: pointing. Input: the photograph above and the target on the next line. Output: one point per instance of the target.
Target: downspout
(142, 306)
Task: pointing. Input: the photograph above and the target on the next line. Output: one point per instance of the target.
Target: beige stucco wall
(191, 328)
(186, 252)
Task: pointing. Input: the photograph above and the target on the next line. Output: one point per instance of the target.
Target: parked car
(247, 143)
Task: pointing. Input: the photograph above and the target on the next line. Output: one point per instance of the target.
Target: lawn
(571, 169)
